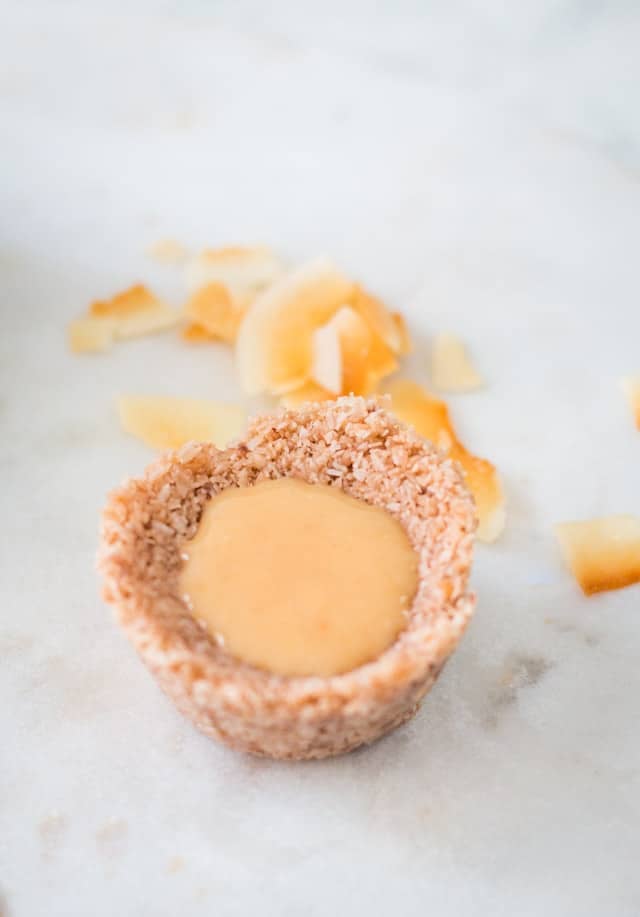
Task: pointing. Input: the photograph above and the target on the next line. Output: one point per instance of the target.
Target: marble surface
(479, 165)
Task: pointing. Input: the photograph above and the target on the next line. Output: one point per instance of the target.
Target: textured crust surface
(350, 443)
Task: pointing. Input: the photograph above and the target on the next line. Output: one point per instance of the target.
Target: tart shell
(351, 443)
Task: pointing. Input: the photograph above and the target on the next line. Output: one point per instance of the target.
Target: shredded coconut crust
(350, 443)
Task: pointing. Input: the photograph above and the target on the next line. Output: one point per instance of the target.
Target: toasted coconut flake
(355, 340)
(130, 302)
(349, 357)
(483, 481)
(149, 322)
(168, 423)
(274, 345)
(90, 335)
(406, 344)
(413, 405)
(135, 312)
(381, 362)
(430, 417)
(366, 359)
(167, 251)
(451, 367)
(602, 553)
(631, 386)
(377, 317)
(244, 271)
(193, 333)
(215, 310)
(317, 326)
(326, 361)
(310, 391)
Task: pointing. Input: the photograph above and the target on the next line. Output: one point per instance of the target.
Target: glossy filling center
(299, 579)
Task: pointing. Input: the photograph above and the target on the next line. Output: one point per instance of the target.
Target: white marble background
(479, 165)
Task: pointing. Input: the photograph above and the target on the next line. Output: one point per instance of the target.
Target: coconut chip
(214, 309)
(168, 423)
(631, 387)
(315, 325)
(378, 318)
(602, 553)
(193, 333)
(430, 418)
(244, 271)
(404, 337)
(451, 367)
(306, 393)
(326, 358)
(275, 343)
(90, 335)
(133, 313)
(349, 356)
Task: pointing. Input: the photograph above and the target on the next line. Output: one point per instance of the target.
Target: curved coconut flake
(244, 271)
(631, 387)
(406, 344)
(213, 307)
(308, 392)
(602, 553)
(90, 335)
(377, 317)
(193, 333)
(366, 359)
(430, 417)
(326, 360)
(274, 346)
(132, 313)
(451, 366)
(168, 423)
